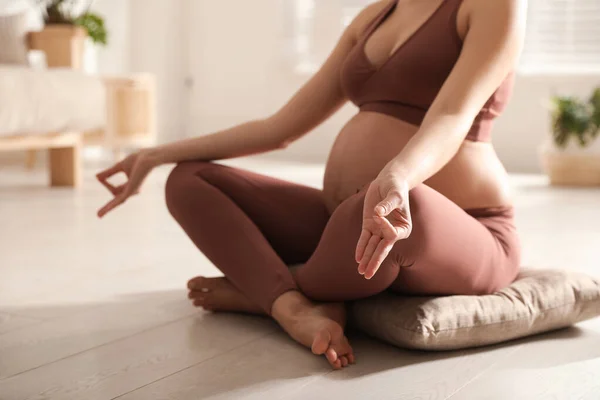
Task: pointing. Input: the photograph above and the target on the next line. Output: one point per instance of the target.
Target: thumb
(389, 204)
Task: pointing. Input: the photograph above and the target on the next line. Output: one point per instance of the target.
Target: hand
(137, 167)
(386, 219)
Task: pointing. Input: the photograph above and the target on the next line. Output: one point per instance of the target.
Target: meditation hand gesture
(386, 219)
(136, 167)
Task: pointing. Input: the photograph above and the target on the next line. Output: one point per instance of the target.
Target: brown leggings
(252, 227)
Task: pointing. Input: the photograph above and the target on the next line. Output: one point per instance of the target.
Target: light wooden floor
(95, 309)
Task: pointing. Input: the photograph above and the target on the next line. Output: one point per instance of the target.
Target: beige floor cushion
(538, 301)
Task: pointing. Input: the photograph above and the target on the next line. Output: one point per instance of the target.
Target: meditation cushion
(538, 301)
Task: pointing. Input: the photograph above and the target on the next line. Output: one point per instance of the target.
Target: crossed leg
(251, 227)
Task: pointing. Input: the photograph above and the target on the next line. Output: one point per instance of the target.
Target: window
(312, 28)
(563, 36)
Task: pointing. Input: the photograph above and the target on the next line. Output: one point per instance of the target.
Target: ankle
(289, 305)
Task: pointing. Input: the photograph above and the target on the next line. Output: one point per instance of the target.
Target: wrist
(153, 156)
(396, 171)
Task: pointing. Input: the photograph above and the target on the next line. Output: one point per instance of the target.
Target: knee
(181, 181)
(338, 280)
(175, 187)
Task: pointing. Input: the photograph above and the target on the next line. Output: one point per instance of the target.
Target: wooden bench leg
(65, 166)
(30, 160)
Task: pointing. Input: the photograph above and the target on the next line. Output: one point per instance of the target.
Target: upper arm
(322, 95)
(491, 49)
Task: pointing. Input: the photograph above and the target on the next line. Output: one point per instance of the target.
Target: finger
(136, 178)
(381, 252)
(117, 201)
(371, 246)
(117, 190)
(389, 230)
(112, 189)
(362, 244)
(407, 229)
(389, 204)
(107, 173)
(128, 190)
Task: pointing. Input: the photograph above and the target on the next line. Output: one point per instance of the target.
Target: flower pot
(572, 166)
(63, 45)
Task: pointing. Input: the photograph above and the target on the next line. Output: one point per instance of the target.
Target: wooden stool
(64, 154)
(130, 112)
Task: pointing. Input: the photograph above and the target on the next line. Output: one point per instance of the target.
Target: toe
(193, 283)
(332, 356)
(199, 302)
(199, 283)
(321, 343)
(195, 294)
(344, 361)
(342, 347)
(351, 358)
(337, 365)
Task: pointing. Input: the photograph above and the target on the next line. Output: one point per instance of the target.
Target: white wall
(116, 57)
(526, 123)
(150, 36)
(158, 44)
(240, 69)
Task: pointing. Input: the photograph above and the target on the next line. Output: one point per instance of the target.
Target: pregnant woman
(414, 198)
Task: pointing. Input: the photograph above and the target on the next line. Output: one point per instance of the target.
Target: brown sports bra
(406, 85)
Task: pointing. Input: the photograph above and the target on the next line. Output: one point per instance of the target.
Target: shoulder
(507, 10)
(362, 21)
(498, 18)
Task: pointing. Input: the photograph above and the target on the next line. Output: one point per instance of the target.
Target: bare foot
(218, 294)
(316, 326)
(319, 327)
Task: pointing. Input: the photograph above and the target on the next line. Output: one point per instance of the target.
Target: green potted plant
(573, 156)
(67, 25)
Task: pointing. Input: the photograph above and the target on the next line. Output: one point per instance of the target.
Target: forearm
(252, 137)
(434, 145)
(490, 51)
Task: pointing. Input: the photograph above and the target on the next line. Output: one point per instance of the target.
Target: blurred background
(98, 309)
(217, 63)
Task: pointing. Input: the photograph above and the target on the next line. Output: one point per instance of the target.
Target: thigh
(450, 252)
(292, 217)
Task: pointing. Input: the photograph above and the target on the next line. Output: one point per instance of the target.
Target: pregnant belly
(474, 178)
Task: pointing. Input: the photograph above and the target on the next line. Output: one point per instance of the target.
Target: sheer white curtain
(563, 36)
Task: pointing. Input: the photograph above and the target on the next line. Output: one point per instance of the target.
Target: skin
(392, 155)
